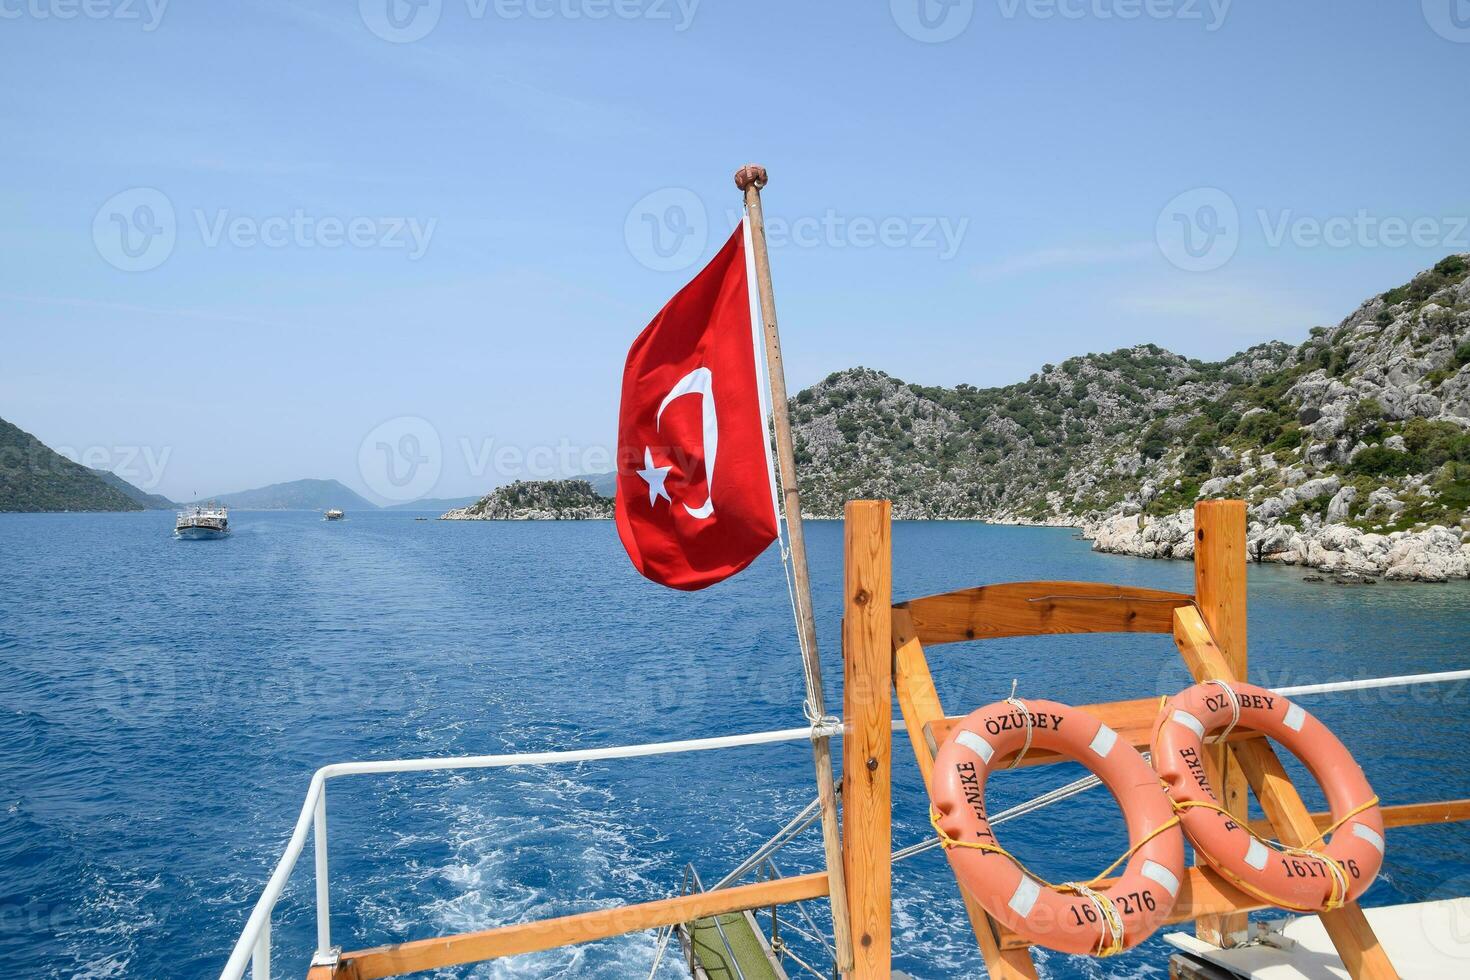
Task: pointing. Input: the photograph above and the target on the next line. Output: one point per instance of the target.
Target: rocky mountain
(606, 484)
(35, 478)
(296, 495)
(537, 500)
(1363, 428)
(148, 501)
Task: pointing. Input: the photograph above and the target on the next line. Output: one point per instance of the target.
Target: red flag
(694, 498)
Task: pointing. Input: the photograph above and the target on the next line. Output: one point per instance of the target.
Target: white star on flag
(654, 476)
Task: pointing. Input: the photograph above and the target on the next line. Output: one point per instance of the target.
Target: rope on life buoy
(1111, 937)
(1020, 706)
(1312, 877)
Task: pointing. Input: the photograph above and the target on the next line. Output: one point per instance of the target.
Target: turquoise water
(165, 703)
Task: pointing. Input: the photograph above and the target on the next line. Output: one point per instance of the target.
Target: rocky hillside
(537, 500)
(144, 499)
(35, 478)
(1364, 426)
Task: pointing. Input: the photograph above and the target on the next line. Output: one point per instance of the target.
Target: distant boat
(199, 522)
(334, 515)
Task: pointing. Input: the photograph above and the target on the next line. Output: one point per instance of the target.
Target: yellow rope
(1336, 898)
(1110, 942)
(1106, 946)
(1350, 814)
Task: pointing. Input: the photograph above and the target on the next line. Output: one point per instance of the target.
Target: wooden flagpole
(750, 179)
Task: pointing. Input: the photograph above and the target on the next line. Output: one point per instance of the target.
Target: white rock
(1321, 487)
(1214, 487)
(1341, 503)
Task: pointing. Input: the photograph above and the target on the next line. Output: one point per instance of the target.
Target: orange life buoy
(1072, 917)
(1297, 878)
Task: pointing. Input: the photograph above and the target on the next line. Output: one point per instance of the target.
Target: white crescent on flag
(700, 382)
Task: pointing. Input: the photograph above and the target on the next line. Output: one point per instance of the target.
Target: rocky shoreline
(537, 500)
(1434, 554)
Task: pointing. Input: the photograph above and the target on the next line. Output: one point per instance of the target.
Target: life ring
(1070, 917)
(1300, 879)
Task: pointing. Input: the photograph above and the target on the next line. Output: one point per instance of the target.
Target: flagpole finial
(751, 173)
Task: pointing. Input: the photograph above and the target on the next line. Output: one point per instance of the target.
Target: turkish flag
(694, 498)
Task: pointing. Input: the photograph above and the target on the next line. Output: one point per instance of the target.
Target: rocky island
(537, 500)
(1352, 448)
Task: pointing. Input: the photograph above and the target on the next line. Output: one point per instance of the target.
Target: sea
(164, 703)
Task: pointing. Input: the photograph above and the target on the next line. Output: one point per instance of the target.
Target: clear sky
(257, 241)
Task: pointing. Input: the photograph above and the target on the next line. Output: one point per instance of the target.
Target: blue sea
(166, 702)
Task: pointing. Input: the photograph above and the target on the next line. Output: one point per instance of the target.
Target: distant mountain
(296, 495)
(149, 501)
(604, 484)
(437, 504)
(34, 478)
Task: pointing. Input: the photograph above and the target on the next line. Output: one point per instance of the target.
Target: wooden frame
(1209, 629)
(884, 650)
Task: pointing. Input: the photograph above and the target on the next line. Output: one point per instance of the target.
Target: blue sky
(439, 246)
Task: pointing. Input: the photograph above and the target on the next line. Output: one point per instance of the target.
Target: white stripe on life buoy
(1161, 874)
(1368, 834)
(1103, 741)
(975, 744)
(1025, 896)
(1190, 721)
(1295, 718)
(1256, 855)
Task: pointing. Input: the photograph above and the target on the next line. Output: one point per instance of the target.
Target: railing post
(1219, 588)
(260, 960)
(867, 806)
(323, 890)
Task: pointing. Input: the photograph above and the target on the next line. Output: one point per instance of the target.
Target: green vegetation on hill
(35, 478)
(1381, 403)
(149, 501)
(545, 500)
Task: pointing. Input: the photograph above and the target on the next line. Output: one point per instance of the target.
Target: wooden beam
(1403, 815)
(1220, 590)
(867, 749)
(919, 701)
(1041, 608)
(531, 937)
(1348, 927)
(342, 971)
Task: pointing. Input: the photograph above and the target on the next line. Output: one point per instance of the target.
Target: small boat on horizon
(200, 522)
(333, 515)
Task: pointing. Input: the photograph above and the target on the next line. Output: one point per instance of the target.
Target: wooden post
(1219, 588)
(867, 768)
(750, 179)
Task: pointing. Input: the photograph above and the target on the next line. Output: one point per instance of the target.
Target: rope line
(1370, 804)
(1234, 707)
(1110, 943)
(1020, 706)
(947, 842)
(1336, 898)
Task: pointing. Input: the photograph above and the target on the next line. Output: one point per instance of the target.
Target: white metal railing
(252, 949)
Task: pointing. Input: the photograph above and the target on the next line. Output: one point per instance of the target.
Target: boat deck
(741, 953)
(1424, 939)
